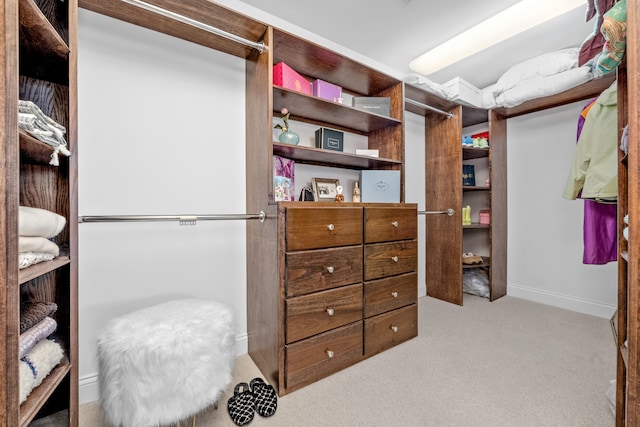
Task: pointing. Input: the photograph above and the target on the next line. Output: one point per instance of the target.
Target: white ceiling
(393, 32)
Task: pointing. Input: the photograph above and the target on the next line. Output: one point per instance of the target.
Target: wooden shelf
(40, 394)
(42, 268)
(331, 158)
(312, 109)
(475, 187)
(469, 153)
(476, 225)
(37, 34)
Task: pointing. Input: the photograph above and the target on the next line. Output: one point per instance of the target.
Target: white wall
(545, 230)
(161, 131)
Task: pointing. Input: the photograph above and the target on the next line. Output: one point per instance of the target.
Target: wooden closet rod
(259, 46)
(182, 219)
(429, 107)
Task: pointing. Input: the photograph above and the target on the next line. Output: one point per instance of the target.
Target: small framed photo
(325, 189)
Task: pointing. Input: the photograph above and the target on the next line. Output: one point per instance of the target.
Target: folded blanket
(32, 120)
(37, 333)
(37, 244)
(37, 364)
(36, 222)
(26, 259)
(33, 312)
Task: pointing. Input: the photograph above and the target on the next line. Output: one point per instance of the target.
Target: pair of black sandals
(245, 402)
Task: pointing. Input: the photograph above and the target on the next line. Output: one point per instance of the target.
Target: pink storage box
(485, 216)
(326, 90)
(284, 76)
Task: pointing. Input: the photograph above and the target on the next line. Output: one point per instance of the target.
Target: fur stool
(165, 363)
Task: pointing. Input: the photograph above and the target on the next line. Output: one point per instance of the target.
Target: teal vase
(289, 137)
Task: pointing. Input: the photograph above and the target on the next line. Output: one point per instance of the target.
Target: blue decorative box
(381, 186)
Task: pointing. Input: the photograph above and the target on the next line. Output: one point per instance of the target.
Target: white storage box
(464, 92)
(380, 186)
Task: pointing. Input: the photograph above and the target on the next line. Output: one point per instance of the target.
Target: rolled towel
(37, 244)
(36, 222)
(34, 312)
(37, 333)
(37, 364)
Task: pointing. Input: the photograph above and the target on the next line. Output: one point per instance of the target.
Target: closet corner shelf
(475, 187)
(41, 394)
(37, 34)
(328, 157)
(476, 225)
(469, 153)
(314, 109)
(42, 268)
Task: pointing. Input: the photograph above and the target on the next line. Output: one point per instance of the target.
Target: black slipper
(266, 397)
(241, 405)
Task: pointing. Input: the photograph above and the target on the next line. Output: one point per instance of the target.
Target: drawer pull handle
(330, 311)
(394, 294)
(394, 328)
(330, 354)
(394, 258)
(330, 269)
(395, 224)
(330, 227)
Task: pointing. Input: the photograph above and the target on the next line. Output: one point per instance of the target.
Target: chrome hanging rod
(182, 219)
(429, 107)
(448, 212)
(259, 46)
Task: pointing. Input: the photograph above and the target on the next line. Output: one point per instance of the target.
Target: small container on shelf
(485, 216)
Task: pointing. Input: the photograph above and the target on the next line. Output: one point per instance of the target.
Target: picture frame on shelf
(325, 189)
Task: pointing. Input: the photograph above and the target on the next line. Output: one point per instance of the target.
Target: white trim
(568, 302)
(422, 290)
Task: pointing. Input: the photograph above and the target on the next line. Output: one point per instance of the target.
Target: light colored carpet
(509, 362)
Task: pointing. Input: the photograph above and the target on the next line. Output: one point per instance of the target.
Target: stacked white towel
(35, 227)
(32, 120)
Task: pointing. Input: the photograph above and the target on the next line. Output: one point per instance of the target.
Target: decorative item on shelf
(470, 258)
(480, 143)
(487, 183)
(285, 76)
(485, 216)
(283, 179)
(381, 186)
(339, 196)
(356, 192)
(468, 175)
(329, 139)
(373, 104)
(306, 195)
(325, 189)
(466, 215)
(467, 141)
(366, 152)
(287, 136)
(326, 90)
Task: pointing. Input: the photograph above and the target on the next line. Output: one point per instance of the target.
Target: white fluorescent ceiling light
(520, 17)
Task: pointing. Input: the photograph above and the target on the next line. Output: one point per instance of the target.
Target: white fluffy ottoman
(162, 364)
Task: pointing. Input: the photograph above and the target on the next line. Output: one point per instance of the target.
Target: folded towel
(37, 364)
(37, 244)
(33, 312)
(37, 333)
(36, 222)
(26, 259)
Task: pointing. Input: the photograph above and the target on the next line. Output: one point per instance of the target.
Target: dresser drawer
(318, 312)
(314, 358)
(323, 227)
(389, 224)
(321, 269)
(386, 330)
(389, 259)
(388, 294)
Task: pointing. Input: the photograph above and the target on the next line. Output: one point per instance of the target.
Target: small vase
(289, 137)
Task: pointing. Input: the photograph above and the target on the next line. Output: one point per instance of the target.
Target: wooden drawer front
(388, 294)
(311, 314)
(323, 228)
(390, 259)
(389, 224)
(312, 271)
(386, 330)
(309, 360)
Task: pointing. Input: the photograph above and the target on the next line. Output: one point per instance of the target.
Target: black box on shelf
(329, 139)
(377, 104)
(468, 175)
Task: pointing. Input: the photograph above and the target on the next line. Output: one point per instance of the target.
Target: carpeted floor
(509, 362)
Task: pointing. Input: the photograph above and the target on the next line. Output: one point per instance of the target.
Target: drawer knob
(330, 354)
(394, 258)
(394, 294)
(330, 311)
(330, 227)
(330, 269)
(395, 224)
(394, 328)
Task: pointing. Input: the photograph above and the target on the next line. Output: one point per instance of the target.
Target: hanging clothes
(600, 220)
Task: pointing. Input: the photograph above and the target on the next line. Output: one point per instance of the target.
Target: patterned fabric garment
(241, 405)
(266, 398)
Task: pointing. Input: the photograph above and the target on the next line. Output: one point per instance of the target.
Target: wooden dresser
(348, 284)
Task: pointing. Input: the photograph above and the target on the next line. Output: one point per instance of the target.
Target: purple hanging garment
(600, 224)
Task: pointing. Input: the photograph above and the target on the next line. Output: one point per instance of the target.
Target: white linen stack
(35, 227)
(32, 120)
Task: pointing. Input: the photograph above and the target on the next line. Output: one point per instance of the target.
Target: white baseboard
(561, 301)
(422, 290)
(88, 385)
